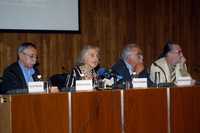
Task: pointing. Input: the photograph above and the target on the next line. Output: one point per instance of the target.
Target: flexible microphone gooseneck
(155, 64)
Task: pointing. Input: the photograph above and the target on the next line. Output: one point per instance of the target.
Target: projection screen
(59, 15)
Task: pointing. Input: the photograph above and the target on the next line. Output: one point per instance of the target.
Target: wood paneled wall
(111, 24)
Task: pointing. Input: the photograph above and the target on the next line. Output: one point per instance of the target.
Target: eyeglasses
(30, 56)
(139, 55)
(177, 52)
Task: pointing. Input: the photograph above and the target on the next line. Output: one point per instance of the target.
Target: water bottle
(157, 79)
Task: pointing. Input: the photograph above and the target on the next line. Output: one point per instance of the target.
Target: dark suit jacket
(120, 69)
(13, 78)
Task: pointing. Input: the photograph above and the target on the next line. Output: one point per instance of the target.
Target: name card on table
(84, 85)
(139, 82)
(36, 87)
(183, 81)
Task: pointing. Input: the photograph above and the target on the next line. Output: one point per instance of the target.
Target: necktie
(173, 74)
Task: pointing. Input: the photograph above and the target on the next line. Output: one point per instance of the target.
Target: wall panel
(111, 24)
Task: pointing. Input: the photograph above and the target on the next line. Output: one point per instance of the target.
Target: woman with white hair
(85, 68)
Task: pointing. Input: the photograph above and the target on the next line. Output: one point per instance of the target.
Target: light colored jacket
(162, 67)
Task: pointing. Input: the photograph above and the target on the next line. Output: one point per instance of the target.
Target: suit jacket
(13, 78)
(121, 69)
(161, 66)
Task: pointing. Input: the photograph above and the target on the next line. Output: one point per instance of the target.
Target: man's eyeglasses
(139, 55)
(30, 56)
(177, 52)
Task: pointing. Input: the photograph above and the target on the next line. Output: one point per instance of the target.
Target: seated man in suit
(131, 64)
(18, 74)
(171, 64)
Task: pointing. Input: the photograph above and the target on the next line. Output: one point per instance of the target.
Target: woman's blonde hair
(83, 53)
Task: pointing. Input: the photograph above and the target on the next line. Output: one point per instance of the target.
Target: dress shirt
(27, 72)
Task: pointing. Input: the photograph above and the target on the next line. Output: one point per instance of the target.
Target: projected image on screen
(39, 15)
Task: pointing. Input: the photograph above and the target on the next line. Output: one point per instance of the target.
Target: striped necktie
(172, 74)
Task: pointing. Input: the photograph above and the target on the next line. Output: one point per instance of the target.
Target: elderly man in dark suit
(131, 64)
(18, 74)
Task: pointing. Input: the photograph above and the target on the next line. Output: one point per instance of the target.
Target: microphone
(36, 75)
(67, 80)
(103, 73)
(108, 74)
(39, 77)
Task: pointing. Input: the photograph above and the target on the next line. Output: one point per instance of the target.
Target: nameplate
(84, 85)
(183, 81)
(36, 87)
(139, 82)
(108, 82)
